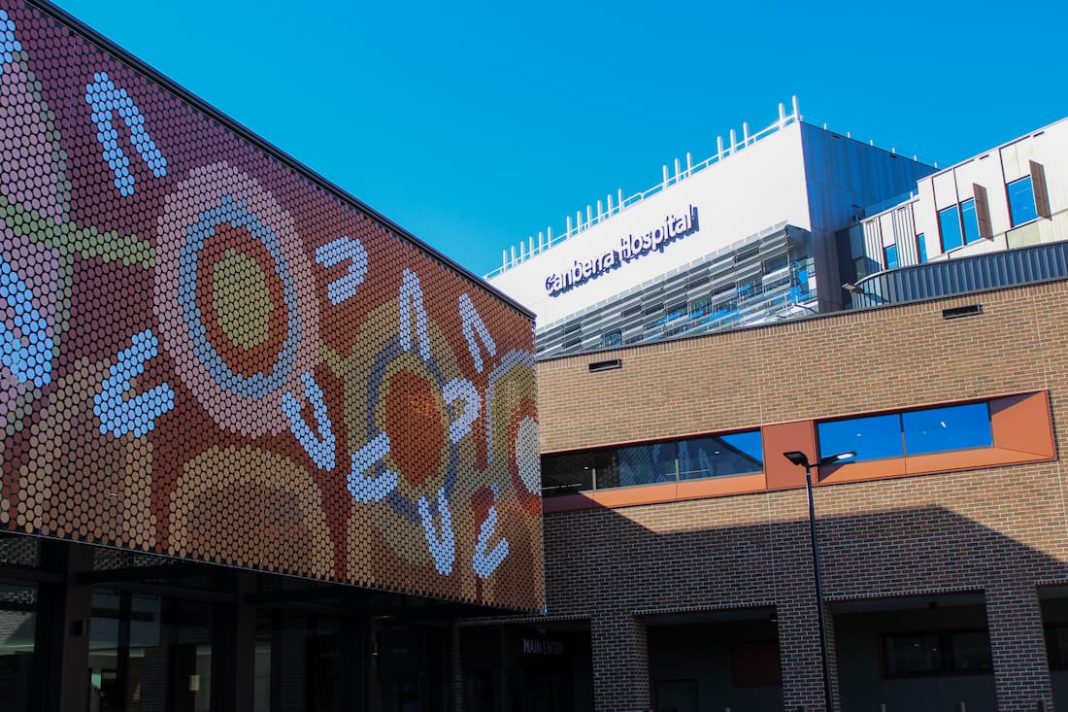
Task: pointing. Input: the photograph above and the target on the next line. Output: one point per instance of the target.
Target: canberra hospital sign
(631, 247)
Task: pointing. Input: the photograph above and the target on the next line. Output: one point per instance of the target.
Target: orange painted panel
(785, 437)
(1023, 423)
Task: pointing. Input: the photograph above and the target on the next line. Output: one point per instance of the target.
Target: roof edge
(274, 151)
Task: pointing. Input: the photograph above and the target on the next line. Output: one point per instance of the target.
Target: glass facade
(653, 463)
(1022, 207)
(148, 652)
(914, 432)
(18, 617)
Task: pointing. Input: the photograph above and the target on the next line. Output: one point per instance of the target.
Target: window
(874, 437)
(612, 339)
(571, 472)
(914, 432)
(643, 465)
(921, 248)
(970, 220)
(1022, 206)
(936, 653)
(652, 463)
(949, 226)
(960, 427)
(890, 256)
(733, 454)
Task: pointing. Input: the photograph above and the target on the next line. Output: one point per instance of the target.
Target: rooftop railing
(600, 211)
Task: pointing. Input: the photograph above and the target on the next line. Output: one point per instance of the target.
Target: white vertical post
(665, 175)
(745, 133)
(797, 108)
(513, 254)
(609, 203)
(589, 214)
(549, 237)
(600, 211)
(530, 244)
(619, 195)
(677, 170)
(719, 148)
(578, 220)
(734, 140)
(504, 259)
(522, 251)
(782, 114)
(568, 226)
(689, 163)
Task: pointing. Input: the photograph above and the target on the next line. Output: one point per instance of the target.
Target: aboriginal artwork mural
(207, 354)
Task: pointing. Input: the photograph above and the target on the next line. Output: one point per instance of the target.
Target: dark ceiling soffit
(267, 147)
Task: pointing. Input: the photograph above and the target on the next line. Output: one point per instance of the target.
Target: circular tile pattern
(206, 353)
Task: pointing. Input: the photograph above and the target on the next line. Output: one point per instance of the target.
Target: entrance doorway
(148, 652)
(711, 661)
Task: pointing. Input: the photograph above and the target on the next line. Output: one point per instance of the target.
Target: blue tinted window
(612, 339)
(970, 220)
(958, 427)
(644, 464)
(1022, 201)
(733, 454)
(890, 252)
(921, 247)
(872, 438)
(949, 225)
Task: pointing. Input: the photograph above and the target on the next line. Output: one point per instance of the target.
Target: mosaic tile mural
(209, 355)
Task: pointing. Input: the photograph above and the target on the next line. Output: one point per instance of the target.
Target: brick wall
(1000, 530)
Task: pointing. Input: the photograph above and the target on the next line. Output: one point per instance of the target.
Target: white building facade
(745, 236)
(1012, 196)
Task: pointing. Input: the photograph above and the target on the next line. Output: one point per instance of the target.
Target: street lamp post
(800, 458)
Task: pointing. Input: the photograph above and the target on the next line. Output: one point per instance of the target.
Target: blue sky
(474, 125)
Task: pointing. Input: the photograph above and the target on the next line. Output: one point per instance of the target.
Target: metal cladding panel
(208, 353)
(979, 273)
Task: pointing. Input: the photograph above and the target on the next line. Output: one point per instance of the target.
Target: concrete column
(620, 664)
(1017, 641)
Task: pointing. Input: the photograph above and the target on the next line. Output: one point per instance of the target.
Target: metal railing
(964, 275)
(613, 205)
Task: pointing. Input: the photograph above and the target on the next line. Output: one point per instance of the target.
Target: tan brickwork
(1000, 530)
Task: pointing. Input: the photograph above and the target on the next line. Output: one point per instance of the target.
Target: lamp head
(797, 457)
(831, 459)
